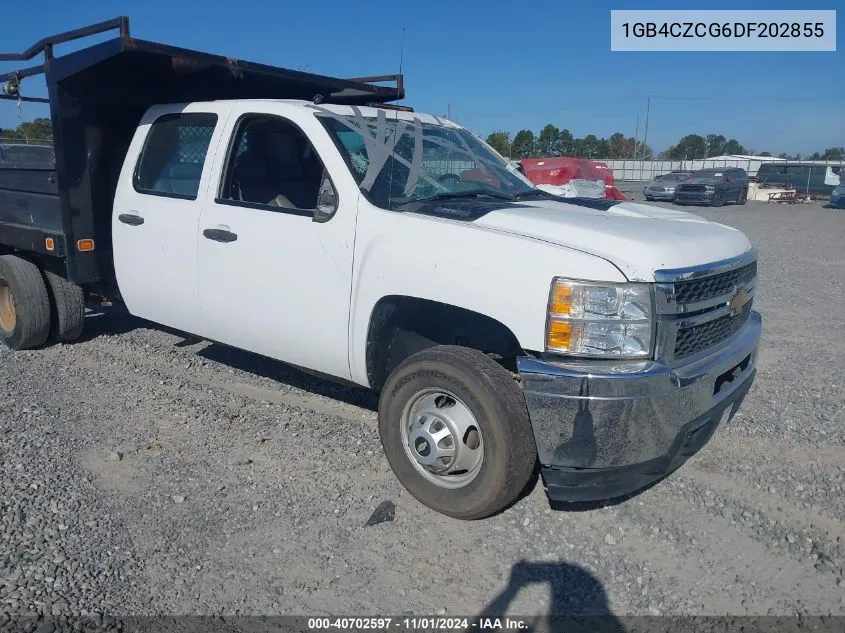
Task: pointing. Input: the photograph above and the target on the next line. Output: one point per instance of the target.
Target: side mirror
(326, 200)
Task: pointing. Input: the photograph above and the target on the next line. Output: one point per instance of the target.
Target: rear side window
(174, 154)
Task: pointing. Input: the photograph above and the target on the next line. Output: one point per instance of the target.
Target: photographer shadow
(578, 601)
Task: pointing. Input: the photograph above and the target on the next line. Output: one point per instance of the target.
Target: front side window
(272, 163)
(174, 154)
(799, 171)
(397, 161)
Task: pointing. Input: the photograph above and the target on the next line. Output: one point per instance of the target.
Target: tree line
(696, 146)
(552, 141)
(38, 130)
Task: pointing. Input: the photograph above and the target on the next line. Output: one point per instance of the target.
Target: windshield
(708, 176)
(400, 161)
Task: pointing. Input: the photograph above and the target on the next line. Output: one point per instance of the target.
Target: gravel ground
(145, 473)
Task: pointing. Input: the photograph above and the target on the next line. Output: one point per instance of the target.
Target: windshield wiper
(454, 195)
(535, 193)
(471, 193)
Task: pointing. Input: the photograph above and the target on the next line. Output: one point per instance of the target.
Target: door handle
(132, 219)
(220, 235)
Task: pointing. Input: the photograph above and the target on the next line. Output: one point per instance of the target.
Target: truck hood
(637, 238)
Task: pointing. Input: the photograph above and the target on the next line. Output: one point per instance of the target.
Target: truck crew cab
(303, 218)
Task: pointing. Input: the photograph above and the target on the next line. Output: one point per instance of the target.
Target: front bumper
(606, 429)
(694, 197)
(659, 195)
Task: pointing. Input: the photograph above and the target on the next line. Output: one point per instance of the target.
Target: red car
(560, 170)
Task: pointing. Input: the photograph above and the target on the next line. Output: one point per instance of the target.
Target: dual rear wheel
(37, 306)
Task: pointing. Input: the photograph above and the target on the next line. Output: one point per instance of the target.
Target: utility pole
(449, 111)
(645, 134)
(636, 136)
(647, 112)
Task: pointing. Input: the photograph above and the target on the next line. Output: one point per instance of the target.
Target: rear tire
(67, 307)
(24, 304)
(465, 385)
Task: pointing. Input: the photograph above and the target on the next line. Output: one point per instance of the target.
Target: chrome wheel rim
(442, 438)
(8, 315)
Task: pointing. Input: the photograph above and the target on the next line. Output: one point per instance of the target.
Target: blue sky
(501, 65)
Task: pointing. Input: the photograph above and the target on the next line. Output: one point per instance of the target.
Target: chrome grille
(715, 286)
(694, 308)
(698, 337)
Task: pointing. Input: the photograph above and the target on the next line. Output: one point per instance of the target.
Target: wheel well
(401, 326)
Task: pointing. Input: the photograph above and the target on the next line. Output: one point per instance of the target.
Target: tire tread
(32, 302)
(67, 306)
(496, 386)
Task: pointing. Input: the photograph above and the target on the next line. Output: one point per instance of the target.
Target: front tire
(743, 197)
(24, 304)
(456, 432)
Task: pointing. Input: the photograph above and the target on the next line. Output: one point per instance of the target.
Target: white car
(663, 186)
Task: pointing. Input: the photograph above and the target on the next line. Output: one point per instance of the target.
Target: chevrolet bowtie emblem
(738, 301)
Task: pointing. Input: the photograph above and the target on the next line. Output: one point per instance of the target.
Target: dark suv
(714, 187)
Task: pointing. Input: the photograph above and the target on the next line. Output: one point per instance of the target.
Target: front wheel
(456, 432)
(743, 197)
(717, 200)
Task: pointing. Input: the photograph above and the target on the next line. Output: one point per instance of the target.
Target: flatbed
(97, 96)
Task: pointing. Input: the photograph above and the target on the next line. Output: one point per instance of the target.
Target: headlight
(709, 188)
(669, 189)
(599, 319)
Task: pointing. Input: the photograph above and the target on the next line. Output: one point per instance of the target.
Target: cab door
(275, 275)
(157, 208)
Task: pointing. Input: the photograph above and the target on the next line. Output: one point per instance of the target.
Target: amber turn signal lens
(559, 335)
(85, 245)
(49, 243)
(561, 302)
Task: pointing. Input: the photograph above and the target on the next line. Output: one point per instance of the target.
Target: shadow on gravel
(289, 375)
(116, 322)
(577, 600)
(109, 324)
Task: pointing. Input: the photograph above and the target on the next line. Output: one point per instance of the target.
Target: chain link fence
(646, 170)
(24, 140)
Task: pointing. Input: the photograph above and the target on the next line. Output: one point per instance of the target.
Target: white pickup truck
(505, 328)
